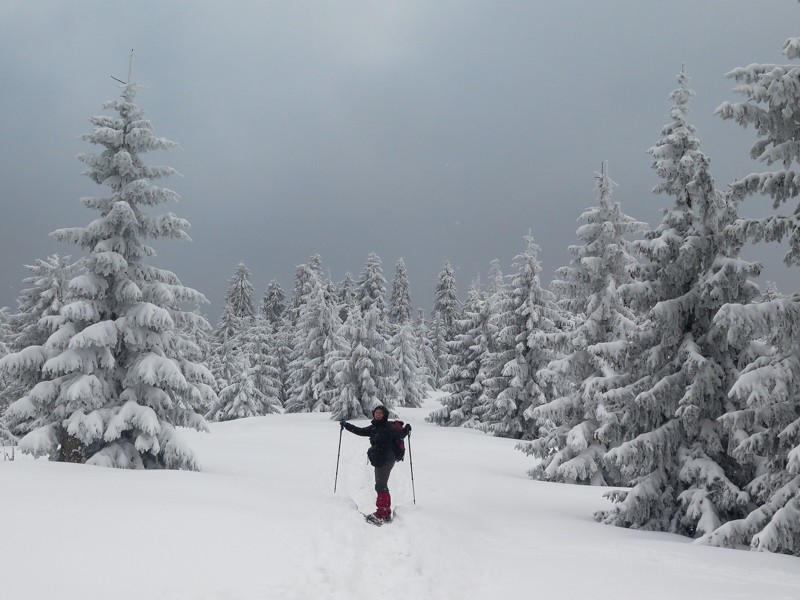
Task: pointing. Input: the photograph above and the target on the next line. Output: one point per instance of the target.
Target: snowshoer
(384, 450)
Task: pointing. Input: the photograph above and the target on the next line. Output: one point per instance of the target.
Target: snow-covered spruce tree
(28, 325)
(198, 331)
(347, 296)
(225, 346)
(462, 381)
(771, 292)
(674, 453)
(439, 349)
(259, 346)
(238, 305)
(427, 361)
(218, 368)
(273, 304)
(404, 343)
(6, 437)
(282, 349)
(318, 344)
(498, 302)
(445, 301)
(315, 264)
(49, 279)
(376, 366)
(5, 331)
(400, 303)
(118, 373)
(576, 427)
(404, 353)
(372, 288)
(347, 402)
(364, 375)
(266, 347)
(332, 293)
(511, 388)
(241, 397)
(446, 311)
(237, 317)
(303, 285)
(764, 426)
(771, 108)
(240, 293)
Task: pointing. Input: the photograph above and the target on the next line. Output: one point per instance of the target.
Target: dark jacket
(383, 436)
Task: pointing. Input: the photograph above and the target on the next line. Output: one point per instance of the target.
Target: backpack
(399, 444)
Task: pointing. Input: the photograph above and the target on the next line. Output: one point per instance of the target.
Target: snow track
(349, 558)
(407, 559)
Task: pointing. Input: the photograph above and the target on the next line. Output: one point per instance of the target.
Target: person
(383, 436)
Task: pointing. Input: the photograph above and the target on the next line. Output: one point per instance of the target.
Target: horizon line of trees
(331, 347)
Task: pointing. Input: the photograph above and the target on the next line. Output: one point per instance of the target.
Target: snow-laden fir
(400, 306)
(765, 420)
(117, 373)
(576, 424)
(674, 449)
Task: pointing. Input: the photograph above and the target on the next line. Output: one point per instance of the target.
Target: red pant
(383, 505)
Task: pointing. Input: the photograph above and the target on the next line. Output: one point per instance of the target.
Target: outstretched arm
(362, 431)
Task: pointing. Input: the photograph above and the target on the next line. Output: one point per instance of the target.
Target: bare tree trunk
(72, 449)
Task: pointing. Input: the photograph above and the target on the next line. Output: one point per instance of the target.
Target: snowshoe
(377, 521)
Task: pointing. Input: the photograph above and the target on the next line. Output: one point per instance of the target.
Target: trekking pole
(411, 462)
(338, 454)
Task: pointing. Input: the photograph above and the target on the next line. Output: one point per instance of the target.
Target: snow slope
(261, 521)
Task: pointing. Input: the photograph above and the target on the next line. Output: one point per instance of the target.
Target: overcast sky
(429, 130)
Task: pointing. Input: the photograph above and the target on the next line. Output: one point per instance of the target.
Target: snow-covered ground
(261, 522)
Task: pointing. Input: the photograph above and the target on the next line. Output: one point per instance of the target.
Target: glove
(342, 423)
(407, 428)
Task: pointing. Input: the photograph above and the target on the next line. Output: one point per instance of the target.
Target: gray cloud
(428, 130)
